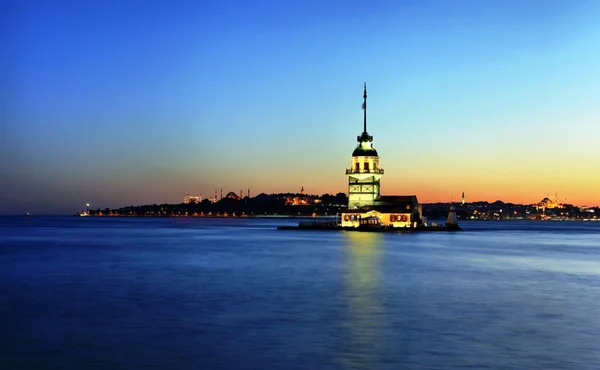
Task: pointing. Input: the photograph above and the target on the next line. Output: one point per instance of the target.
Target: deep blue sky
(128, 102)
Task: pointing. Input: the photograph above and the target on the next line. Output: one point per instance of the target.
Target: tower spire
(365, 107)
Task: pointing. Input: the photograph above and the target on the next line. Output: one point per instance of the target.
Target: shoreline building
(548, 203)
(195, 199)
(301, 200)
(365, 201)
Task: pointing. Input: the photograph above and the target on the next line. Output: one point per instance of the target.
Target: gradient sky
(138, 102)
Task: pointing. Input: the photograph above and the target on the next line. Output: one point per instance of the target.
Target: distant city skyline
(127, 103)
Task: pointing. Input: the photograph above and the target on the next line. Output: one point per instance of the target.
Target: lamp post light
(87, 209)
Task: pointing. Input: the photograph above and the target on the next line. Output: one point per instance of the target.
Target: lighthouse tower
(452, 221)
(364, 174)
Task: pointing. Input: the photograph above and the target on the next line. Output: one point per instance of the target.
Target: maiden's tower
(366, 205)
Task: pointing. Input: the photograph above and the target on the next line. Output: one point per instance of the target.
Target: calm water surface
(144, 293)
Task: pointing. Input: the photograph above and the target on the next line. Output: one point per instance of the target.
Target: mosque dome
(232, 195)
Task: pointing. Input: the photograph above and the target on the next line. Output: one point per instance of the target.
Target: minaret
(221, 193)
(302, 190)
(463, 198)
(364, 174)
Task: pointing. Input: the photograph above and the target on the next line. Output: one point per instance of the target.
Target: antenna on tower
(365, 107)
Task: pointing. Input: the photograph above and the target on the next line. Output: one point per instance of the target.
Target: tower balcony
(352, 171)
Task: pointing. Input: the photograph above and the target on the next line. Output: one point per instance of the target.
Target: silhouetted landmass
(284, 204)
(300, 205)
(499, 210)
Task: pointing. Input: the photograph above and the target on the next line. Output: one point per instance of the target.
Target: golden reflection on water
(363, 317)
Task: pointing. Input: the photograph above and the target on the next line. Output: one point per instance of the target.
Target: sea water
(191, 293)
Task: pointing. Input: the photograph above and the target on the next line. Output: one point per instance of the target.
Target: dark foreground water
(143, 293)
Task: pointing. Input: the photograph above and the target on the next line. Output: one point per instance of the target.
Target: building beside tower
(366, 205)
